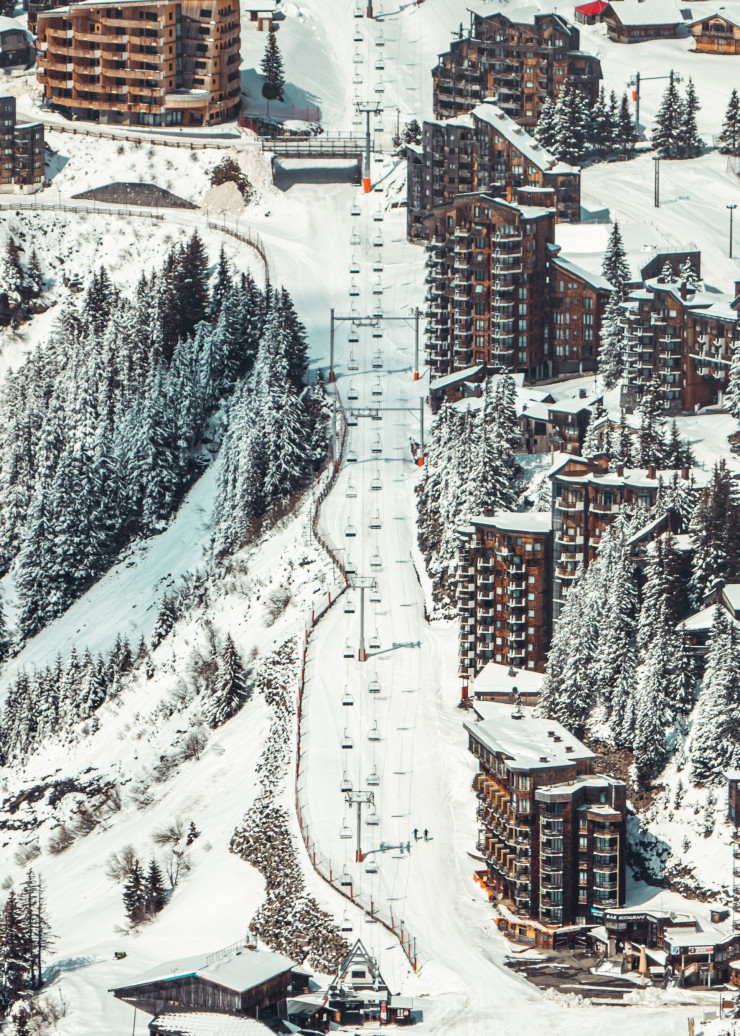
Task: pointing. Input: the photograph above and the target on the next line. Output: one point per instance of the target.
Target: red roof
(593, 8)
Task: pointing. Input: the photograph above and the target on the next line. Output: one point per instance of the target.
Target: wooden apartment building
(144, 62)
(499, 293)
(487, 264)
(503, 591)
(551, 831)
(486, 150)
(22, 147)
(681, 337)
(634, 21)
(518, 64)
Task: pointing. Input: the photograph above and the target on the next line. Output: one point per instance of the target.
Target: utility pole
(332, 375)
(420, 459)
(732, 209)
(416, 344)
(359, 799)
(656, 189)
(362, 583)
(635, 82)
(368, 108)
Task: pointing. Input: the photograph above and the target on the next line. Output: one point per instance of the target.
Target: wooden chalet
(241, 980)
(716, 34)
(633, 21)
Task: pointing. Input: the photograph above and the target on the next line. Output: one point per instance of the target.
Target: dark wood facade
(716, 34)
(23, 151)
(519, 64)
(577, 300)
(486, 150)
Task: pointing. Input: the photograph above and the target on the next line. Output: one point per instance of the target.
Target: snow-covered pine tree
(612, 342)
(732, 396)
(668, 127)
(626, 135)
(601, 136)
(652, 711)
(155, 894)
(690, 143)
(688, 276)
(715, 741)
(614, 265)
(715, 534)
(412, 132)
(271, 66)
(592, 443)
(12, 278)
(650, 439)
(677, 450)
(571, 125)
(135, 894)
(729, 138)
(545, 131)
(231, 686)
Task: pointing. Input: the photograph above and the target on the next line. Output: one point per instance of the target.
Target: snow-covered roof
(504, 679)
(490, 112)
(595, 7)
(515, 521)
(716, 14)
(637, 478)
(680, 937)
(456, 378)
(206, 1023)
(574, 405)
(527, 743)
(732, 592)
(596, 280)
(239, 970)
(703, 620)
(533, 408)
(650, 12)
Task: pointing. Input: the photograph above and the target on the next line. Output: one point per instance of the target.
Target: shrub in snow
(227, 171)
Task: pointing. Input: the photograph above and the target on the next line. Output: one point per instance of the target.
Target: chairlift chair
(344, 787)
(374, 645)
(379, 87)
(377, 329)
(358, 37)
(349, 604)
(346, 924)
(357, 57)
(347, 741)
(371, 867)
(351, 530)
(377, 309)
(359, 12)
(375, 561)
(377, 363)
(354, 266)
(377, 389)
(378, 11)
(378, 287)
(347, 698)
(375, 415)
(349, 651)
(374, 685)
(346, 831)
(373, 820)
(351, 491)
(375, 523)
(353, 289)
(351, 422)
(354, 238)
(378, 240)
(345, 879)
(352, 363)
(377, 446)
(373, 779)
(376, 485)
(380, 39)
(350, 567)
(352, 392)
(355, 210)
(378, 265)
(357, 119)
(357, 78)
(378, 216)
(373, 733)
(351, 456)
(379, 63)
(375, 595)
(353, 338)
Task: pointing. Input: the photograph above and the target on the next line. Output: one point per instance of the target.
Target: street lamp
(656, 193)
(732, 209)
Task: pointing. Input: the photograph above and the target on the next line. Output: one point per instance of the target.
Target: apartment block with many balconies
(503, 591)
(519, 64)
(21, 151)
(486, 150)
(551, 831)
(151, 63)
(487, 269)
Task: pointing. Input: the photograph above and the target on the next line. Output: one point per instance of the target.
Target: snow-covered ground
(422, 757)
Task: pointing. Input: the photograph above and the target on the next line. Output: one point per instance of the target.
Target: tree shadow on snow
(298, 103)
(68, 964)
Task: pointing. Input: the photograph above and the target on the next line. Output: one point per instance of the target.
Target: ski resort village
(369, 517)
